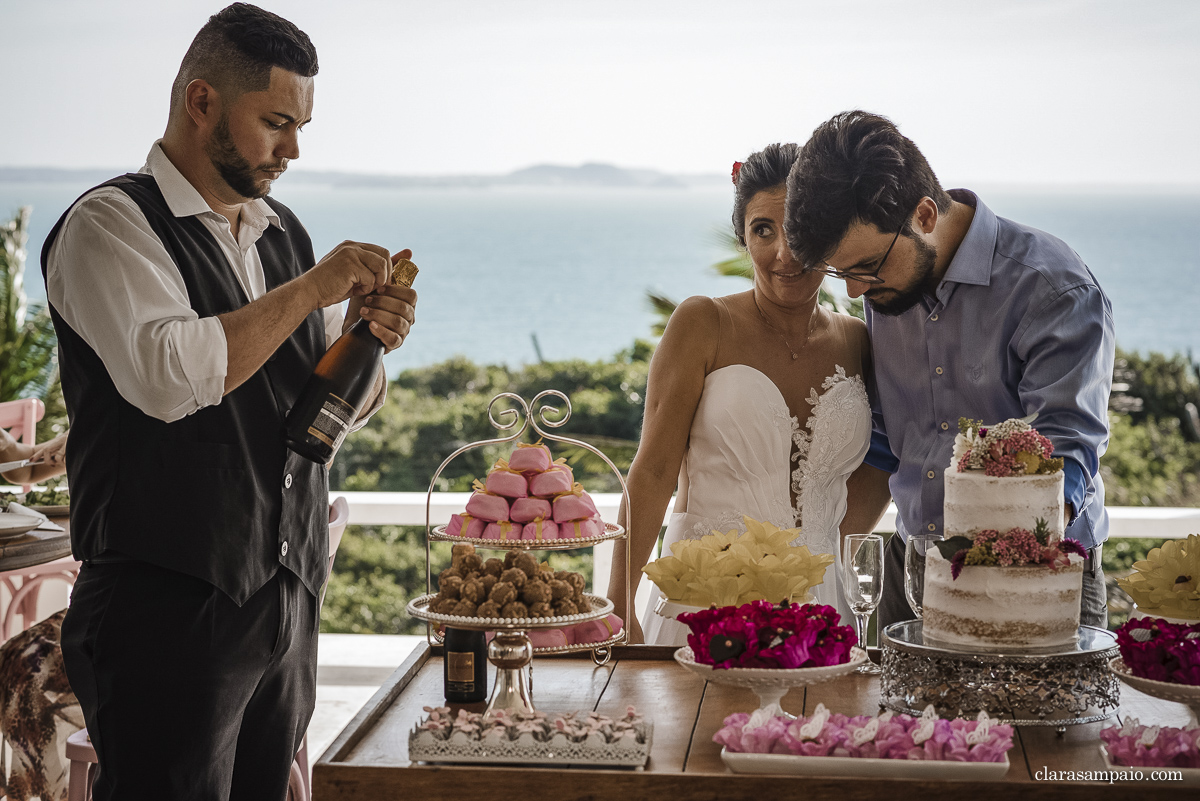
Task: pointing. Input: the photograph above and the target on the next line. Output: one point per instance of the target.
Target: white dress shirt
(114, 283)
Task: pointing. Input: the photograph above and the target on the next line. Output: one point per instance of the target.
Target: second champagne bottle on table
(337, 391)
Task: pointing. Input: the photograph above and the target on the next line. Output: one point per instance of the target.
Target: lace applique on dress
(837, 412)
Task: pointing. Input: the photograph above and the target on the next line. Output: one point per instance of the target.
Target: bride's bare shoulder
(693, 328)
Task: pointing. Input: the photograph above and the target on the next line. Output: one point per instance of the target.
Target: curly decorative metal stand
(1066, 688)
(511, 650)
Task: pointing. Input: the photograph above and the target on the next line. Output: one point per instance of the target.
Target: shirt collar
(972, 262)
(185, 201)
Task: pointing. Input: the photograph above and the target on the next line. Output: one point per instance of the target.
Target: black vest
(216, 495)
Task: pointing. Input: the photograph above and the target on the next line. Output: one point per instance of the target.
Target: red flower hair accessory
(737, 168)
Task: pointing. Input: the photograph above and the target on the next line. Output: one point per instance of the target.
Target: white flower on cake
(732, 568)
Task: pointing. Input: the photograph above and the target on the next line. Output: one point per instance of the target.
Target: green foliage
(1158, 387)
(432, 411)
(1150, 464)
(28, 346)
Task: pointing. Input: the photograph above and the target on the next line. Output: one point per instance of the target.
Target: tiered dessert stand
(511, 650)
(1058, 687)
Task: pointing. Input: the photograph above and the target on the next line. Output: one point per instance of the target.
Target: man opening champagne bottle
(190, 311)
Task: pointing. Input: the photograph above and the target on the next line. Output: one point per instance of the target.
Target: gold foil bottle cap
(404, 272)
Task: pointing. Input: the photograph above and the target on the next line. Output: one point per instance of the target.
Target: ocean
(570, 267)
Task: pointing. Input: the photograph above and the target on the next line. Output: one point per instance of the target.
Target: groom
(970, 315)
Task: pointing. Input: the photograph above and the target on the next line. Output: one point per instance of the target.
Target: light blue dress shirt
(1018, 325)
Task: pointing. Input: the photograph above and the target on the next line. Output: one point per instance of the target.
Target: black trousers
(187, 695)
(893, 607)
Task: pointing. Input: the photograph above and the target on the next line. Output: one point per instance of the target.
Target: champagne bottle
(337, 391)
(464, 668)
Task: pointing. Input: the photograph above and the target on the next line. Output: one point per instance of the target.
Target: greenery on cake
(1011, 448)
(1017, 547)
(1167, 581)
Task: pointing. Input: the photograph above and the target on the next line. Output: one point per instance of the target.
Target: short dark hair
(766, 169)
(857, 167)
(236, 49)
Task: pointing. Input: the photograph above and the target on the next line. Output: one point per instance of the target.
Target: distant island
(539, 175)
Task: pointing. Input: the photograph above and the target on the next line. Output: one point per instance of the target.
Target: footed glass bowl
(770, 684)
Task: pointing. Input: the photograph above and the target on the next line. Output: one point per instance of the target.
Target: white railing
(408, 509)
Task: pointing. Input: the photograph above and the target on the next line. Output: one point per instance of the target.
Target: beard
(233, 167)
(894, 302)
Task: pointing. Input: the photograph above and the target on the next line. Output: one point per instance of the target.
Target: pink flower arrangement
(762, 635)
(885, 736)
(1155, 649)
(1016, 547)
(1133, 745)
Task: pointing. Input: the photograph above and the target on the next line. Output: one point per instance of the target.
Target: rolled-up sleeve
(1068, 346)
(114, 284)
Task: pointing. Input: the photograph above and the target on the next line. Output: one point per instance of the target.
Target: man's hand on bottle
(390, 311)
(351, 269)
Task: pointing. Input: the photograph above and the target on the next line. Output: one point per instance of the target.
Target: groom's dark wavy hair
(766, 169)
(857, 167)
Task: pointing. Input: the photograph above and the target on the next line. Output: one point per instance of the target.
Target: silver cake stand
(1064, 687)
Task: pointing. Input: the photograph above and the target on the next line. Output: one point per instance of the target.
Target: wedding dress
(746, 452)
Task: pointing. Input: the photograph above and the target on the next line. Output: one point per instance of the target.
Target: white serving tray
(789, 765)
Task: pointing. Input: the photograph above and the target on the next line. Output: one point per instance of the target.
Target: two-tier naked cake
(1004, 578)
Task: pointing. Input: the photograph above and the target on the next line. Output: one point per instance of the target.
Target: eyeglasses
(862, 276)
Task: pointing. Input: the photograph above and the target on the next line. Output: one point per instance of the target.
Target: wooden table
(36, 547)
(369, 759)
(27, 562)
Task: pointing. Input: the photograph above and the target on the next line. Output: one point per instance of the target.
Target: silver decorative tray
(558, 751)
(611, 532)
(1069, 686)
(419, 608)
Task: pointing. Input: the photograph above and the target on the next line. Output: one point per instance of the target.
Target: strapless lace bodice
(747, 453)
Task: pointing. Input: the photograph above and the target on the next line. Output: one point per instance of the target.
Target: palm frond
(664, 307)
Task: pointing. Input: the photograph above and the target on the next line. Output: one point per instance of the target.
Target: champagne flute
(915, 549)
(862, 583)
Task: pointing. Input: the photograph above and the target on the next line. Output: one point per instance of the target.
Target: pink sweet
(507, 483)
(574, 505)
(465, 526)
(554, 481)
(597, 630)
(530, 458)
(587, 528)
(486, 506)
(540, 530)
(550, 638)
(502, 530)
(525, 509)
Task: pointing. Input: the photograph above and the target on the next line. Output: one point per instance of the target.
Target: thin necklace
(777, 332)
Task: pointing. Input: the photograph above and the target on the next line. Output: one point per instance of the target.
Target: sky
(1031, 92)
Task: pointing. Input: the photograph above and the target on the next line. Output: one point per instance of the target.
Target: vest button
(932, 527)
(283, 549)
(930, 474)
(287, 481)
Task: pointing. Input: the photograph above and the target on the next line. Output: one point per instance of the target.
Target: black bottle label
(460, 672)
(333, 421)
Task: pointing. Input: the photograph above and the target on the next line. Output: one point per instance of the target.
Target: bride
(755, 405)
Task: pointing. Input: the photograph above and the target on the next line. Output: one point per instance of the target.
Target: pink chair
(20, 418)
(83, 756)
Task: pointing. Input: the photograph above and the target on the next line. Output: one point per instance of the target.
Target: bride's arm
(673, 390)
(867, 498)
